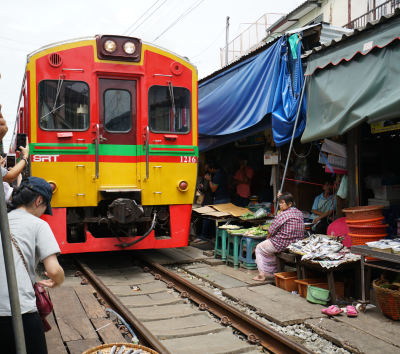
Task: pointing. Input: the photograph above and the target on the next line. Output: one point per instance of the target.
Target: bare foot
(259, 277)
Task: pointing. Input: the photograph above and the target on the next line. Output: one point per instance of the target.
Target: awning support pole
(11, 275)
(294, 132)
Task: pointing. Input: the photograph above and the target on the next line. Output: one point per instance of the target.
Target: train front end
(112, 125)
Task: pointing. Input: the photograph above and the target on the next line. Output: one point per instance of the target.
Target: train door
(118, 136)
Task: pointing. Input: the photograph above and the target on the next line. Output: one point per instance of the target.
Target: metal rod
(147, 152)
(294, 132)
(16, 316)
(227, 40)
(97, 142)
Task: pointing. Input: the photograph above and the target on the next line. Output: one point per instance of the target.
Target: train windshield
(63, 105)
(169, 113)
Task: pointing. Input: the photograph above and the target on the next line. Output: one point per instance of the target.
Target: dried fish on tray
(323, 250)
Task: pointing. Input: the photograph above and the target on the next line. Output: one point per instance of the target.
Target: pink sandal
(333, 311)
(351, 311)
(328, 308)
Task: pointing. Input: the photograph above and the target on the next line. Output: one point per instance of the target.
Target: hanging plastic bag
(301, 168)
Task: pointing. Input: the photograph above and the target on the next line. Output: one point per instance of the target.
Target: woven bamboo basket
(364, 212)
(389, 300)
(105, 348)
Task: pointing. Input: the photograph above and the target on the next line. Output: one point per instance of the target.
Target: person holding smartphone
(242, 180)
(11, 175)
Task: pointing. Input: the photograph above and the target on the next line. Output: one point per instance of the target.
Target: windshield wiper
(59, 86)
(171, 93)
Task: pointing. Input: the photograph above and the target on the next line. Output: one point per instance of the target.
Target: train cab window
(169, 114)
(63, 105)
(117, 111)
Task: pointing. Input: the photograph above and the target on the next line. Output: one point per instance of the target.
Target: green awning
(360, 88)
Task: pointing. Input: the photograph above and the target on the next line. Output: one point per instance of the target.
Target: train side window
(117, 111)
(63, 105)
(161, 110)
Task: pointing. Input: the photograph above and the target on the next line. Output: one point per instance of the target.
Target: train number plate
(189, 159)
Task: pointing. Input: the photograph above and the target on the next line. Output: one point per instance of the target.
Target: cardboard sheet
(204, 210)
(217, 214)
(231, 209)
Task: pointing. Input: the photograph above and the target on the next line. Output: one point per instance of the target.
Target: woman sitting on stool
(287, 227)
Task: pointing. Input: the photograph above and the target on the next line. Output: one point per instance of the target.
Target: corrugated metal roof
(351, 34)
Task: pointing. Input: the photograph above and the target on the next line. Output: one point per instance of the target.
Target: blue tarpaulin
(240, 101)
(287, 97)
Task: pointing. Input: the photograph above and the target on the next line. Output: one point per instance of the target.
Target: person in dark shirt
(218, 184)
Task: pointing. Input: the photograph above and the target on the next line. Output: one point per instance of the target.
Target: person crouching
(287, 227)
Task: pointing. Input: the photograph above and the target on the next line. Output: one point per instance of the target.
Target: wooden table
(329, 272)
(389, 261)
(293, 258)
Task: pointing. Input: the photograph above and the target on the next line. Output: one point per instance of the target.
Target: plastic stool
(221, 244)
(232, 254)
(248, 261)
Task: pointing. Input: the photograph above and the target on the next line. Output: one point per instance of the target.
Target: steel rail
(256, 331)
(145, 337)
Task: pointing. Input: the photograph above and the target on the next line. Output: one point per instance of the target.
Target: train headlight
(183, 186)
(53, 186)
(129, 48)
(110, 46)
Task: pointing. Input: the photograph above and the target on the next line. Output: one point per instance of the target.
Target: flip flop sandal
(351, 311)
(334, 311)
(328, 308)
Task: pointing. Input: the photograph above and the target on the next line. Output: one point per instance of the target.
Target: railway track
(165, 322)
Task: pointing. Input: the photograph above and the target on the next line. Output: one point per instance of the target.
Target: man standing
(218, 184)
(242, 180)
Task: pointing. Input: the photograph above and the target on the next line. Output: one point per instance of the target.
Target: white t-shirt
(36, 241)
(3, 171)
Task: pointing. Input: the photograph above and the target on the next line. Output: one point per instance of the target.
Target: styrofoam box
(387, 192)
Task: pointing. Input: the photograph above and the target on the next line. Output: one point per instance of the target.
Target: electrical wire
(140, 17)
(210, 44)
(159, 20)
(307, 153)
(19, 50)
(14, 40)
(187, 12)
(147, 17)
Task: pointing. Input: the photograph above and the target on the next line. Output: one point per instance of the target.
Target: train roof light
(129, 48)
(110, 46)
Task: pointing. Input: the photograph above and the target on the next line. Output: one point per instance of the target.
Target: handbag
(43, 303)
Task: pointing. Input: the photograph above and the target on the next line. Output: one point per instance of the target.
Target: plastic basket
(286, 281)
(364, 212)
(368, 229)
(359, 240)
(366, 222)
(389, 300)
(106, 348)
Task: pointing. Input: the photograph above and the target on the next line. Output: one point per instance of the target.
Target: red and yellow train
(112, 126)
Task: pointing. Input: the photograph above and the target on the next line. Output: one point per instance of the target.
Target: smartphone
(245, 162)
(11, 160)
(21, 141)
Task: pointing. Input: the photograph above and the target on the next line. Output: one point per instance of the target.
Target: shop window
(169, 114)
(63, 105)
(117, 111)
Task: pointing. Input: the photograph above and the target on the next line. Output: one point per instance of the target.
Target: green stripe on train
(113, 150)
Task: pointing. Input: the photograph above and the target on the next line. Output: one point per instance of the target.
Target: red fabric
(287, 227)
(244, 189)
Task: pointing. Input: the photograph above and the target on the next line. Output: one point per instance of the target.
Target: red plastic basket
(364, 212)
(368, 229)
(358, 240)
(366, 222)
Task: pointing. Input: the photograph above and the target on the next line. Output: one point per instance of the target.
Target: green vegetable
(247, 215)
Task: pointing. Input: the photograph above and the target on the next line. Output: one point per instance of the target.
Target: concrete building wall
(334, 12)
